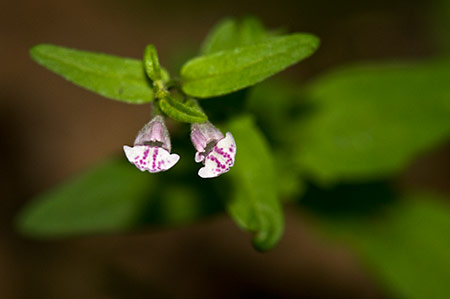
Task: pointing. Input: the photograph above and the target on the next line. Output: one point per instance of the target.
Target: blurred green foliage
(114, 197)
(370, 121)
(107, 198)
(402, 238)
(231, 33)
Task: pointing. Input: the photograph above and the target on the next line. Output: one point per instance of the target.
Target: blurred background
(51, 130)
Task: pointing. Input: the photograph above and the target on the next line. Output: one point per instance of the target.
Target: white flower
(151, 150)
(213, 149)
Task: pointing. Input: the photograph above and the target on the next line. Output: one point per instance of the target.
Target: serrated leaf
(230, 70)
(117, 78)
(182, 112)
(108, 198)
(254, 204)
(403, 241)
(231, 33)
(371, 121)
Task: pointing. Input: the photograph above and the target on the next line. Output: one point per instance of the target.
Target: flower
(151, 150)
(213, 149)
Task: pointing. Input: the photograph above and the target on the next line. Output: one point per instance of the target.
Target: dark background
(51, 129)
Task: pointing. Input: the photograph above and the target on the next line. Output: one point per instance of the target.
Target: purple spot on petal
(155, 154)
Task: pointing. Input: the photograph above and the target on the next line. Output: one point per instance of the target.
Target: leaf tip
(37, 51)
(22, 224)
(315, 40)
(264, 240)
(34, 50)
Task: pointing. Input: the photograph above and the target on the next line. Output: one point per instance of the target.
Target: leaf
(290, 184)
(230, 70)
(410, 256)
(405, 243)
(371, 121)
(117, 78)
(220, 37)
(230, 33)
(252, 31)
(108, 198)
(151, 63)
(180, 202)
(275, 104)
(254, 205)
(116, 197)
(182, 112)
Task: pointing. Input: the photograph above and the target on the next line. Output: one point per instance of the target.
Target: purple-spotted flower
(151, 150)
(217, 152)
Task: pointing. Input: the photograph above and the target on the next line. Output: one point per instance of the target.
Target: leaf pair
(234, 57)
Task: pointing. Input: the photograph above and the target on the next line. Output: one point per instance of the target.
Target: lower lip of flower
(220, 159)
(150, 158)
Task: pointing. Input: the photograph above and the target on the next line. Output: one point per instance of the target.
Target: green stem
(155, 110)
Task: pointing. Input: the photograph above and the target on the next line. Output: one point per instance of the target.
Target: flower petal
(154, 131)
(199, 157)
(151, 158)
(203, 134)
(220, 159)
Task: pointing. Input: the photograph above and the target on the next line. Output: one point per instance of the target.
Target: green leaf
(117, 78)
(230, 33)
(181, 202)
(182, 112)
(409, 252)
(109, 198)
(220, 37)
(290, 184)
(274, 104)
(405, 244)
(254, 204)
(251, 31)
(371, 121)
(230, 70)
(116, 197)
(151, 63)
